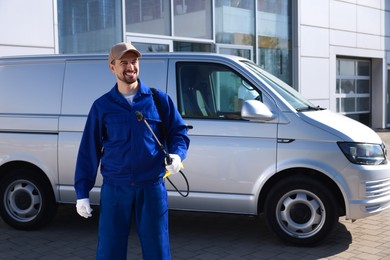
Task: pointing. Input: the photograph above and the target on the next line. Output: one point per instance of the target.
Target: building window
(235, 22)
(89, 26)
(148, 17)
(353, 87)
(193, 19)
(192, 47)
(235, 50)
(258, 30)
(274, 38)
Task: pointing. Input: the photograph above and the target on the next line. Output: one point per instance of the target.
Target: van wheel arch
(27, 200)
(307, 173)
(294, 198)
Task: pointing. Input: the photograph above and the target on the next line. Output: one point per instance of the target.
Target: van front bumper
(369, 188)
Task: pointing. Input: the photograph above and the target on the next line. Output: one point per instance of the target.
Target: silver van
(257, 146)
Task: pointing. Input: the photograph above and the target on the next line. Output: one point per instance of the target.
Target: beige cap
(118, 50)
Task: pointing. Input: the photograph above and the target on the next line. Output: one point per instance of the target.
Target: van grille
(372, 208)
(377, 188)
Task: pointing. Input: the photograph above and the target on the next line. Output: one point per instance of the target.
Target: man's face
(127, 68)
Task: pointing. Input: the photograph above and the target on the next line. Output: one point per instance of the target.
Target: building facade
(335, 52)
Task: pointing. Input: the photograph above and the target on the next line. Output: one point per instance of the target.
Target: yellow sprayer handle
(167, 173)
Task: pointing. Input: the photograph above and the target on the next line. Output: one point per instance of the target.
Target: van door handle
(189, 127)
(285, 140)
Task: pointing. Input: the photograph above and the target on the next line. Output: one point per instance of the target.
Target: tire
(27, 202)
(301, 211)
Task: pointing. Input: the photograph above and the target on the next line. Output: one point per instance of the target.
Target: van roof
(67, 57)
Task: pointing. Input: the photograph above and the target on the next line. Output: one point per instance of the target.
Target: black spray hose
(140, 117)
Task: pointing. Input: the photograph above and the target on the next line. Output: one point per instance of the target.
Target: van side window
(207, 90)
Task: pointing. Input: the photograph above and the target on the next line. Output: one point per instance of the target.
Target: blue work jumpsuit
(132, 165)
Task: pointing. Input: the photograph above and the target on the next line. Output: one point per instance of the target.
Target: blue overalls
(132, 166)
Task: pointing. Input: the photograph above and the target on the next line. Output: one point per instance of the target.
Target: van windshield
(287, 92)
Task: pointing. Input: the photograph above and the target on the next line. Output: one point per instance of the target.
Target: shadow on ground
(193, 236)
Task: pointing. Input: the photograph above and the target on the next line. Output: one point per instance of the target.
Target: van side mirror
(255, 110)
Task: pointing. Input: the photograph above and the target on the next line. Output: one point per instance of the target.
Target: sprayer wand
(140, 117)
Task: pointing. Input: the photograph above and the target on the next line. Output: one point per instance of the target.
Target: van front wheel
(300, 211)
(26, 202)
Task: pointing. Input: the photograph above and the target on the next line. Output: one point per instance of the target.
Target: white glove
(176, 164)
(84, 208)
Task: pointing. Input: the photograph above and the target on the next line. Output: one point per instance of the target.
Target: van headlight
(363, 153)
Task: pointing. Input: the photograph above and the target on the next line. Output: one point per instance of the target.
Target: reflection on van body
(257, 146)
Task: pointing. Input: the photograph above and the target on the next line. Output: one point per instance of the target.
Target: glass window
(87, 26)
(149, 44)
(235, 22)
(363, 104)
(192, 18)
(353, 89)
(213, 91)
(273, 6)
(192, 47)
(346, 86)
(246, 53)
(363, 68)
(148, 16)
(274, 37)
(346, 67)
(348, 105)
(151, 47)
(363, 86)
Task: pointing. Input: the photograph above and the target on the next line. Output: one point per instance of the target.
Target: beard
(128, 77)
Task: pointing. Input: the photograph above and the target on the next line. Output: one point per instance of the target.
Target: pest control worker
(130, 160)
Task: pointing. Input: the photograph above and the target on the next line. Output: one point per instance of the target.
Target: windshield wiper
(309, 108)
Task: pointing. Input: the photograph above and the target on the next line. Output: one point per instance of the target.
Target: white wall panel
(21, 50)
(342, 16)
(315, 78)
(314, 41)
(27, 23)
(369, 20)
(342, 38)
(371, 3)
(349, 1)
(315, 13)
(368, 41)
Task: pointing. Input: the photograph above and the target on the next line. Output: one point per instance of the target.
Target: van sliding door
(85, 81)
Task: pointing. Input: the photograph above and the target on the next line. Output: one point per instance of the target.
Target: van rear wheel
(27, 202)
(301, 211)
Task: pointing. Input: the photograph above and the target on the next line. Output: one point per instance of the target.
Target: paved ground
(201, 236)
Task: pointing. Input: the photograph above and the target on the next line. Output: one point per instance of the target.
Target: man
(131, 163)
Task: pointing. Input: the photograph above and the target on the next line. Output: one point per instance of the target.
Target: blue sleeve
(89, 155)
(177, 138)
